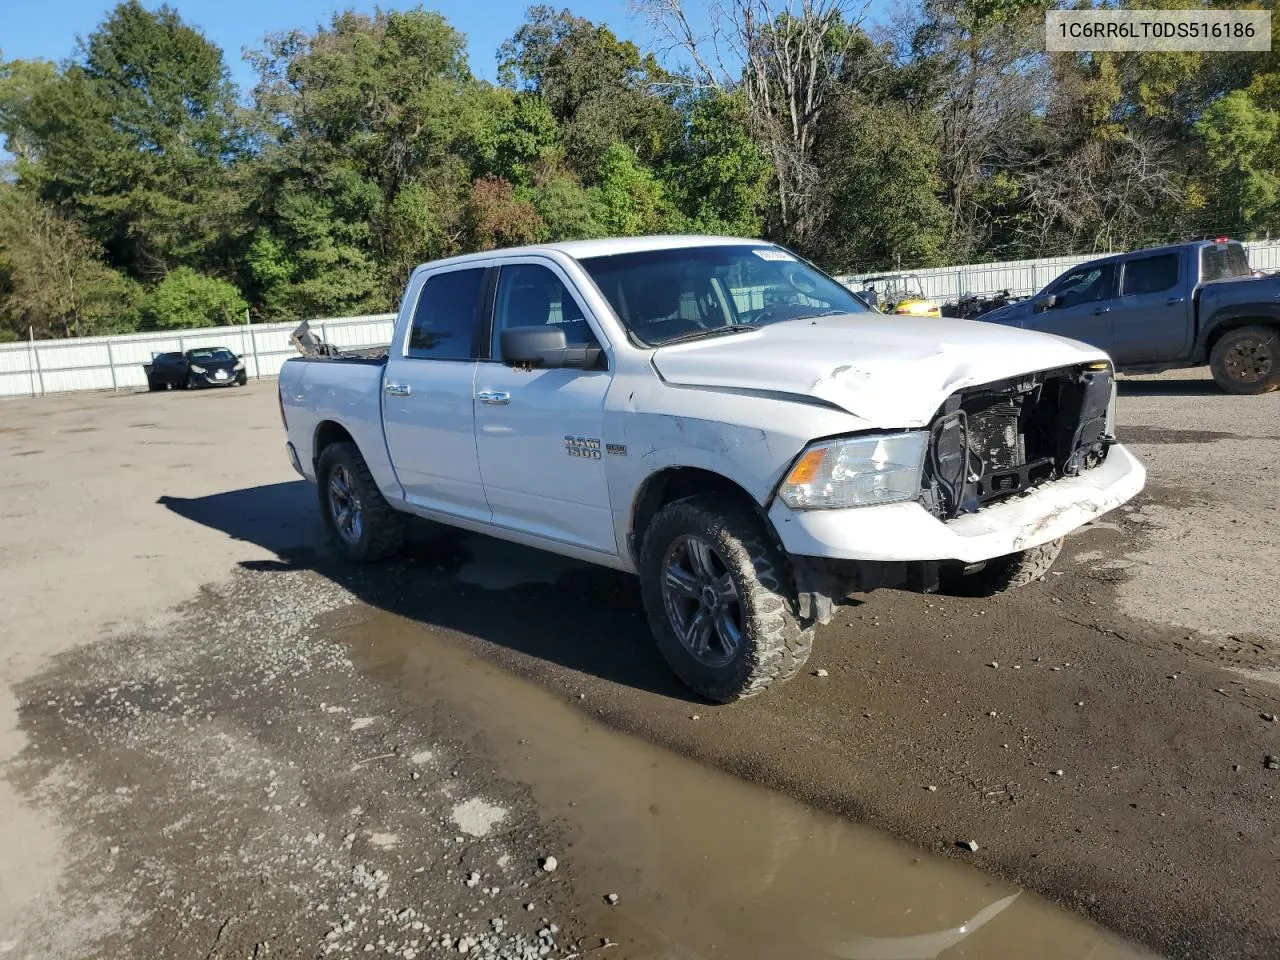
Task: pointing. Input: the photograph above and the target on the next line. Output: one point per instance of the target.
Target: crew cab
(1168, 307)
(724, 420)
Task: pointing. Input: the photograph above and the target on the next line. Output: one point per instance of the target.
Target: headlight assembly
(857, 472)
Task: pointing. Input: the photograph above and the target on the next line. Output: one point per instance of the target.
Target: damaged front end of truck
(990, 446)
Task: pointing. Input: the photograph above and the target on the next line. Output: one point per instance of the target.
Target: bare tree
(788, 59)
(1102, 195)
(985, 82)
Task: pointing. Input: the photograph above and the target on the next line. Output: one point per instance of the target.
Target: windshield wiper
(820, 313)
(713, 332)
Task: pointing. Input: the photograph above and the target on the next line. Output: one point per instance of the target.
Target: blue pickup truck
(1160, 309)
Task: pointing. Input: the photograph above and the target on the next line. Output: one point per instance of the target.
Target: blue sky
(49, 29)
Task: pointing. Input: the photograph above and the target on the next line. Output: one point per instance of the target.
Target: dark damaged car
(203, 367)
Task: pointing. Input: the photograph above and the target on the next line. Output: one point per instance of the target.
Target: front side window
(530, 295)
(662, 296)
(444, 321)
(1085, 285)
(1150, 275)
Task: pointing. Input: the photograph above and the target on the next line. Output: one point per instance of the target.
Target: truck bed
(374, 356)
(343, 389)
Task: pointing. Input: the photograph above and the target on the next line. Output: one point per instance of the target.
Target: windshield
(212, 354)
(666, 295)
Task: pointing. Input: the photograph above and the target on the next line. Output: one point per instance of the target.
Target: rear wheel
(360, 522)
(1247, 360)
(719, 600)
(154, 385)
(1001, 574)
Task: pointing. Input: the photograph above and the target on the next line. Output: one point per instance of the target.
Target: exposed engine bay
(1004, 438)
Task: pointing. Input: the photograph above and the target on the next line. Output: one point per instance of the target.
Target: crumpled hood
(888, 371)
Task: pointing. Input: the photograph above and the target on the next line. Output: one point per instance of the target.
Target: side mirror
(546, 348)
(1047, 302)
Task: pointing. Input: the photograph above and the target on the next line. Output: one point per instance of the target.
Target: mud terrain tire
(696, 553)
(1002, 574)
(374, 531)
(1247, 360)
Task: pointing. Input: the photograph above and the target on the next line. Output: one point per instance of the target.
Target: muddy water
(706, 865)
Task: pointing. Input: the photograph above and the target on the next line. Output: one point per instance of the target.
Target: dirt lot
(217, 741)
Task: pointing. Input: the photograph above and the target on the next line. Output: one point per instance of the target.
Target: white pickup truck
(721, 418)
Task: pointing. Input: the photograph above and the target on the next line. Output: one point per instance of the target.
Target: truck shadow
(576, 615)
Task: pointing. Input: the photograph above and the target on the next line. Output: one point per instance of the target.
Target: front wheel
(1247, 360)
(1001, 574)
(719, 600)
(360, 522)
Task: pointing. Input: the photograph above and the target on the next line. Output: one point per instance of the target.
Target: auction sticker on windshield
(773, 255)
(1196, 31)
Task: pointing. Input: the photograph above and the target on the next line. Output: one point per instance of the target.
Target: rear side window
(444, 322)
(1223, 261)
(1150, 275)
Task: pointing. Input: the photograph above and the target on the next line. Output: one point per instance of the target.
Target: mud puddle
(706, 865)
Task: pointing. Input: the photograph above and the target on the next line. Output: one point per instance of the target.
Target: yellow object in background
(901, 294)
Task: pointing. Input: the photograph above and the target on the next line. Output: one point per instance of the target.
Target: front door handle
(1099, 311)
(498, 397)
(1174, 301)
(397, 389)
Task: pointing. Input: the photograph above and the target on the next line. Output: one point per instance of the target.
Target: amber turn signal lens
(807, 468)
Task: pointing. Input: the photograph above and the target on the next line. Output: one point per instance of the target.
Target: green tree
(885, 206)
(375, 130)
(569, 211)
(132, 139)
(1242, 148)
(53, 277)
(629, 198)
(186, 298)
(600, 89)
(719, 177)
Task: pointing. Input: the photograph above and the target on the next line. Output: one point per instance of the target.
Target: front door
(1082, 312)
(427, 405)
(539, 432)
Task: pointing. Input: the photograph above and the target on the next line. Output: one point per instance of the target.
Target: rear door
(539, 433)
(1086, 296)
(427, 393)
(1152, 319)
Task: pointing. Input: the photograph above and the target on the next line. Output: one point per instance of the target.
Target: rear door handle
(397, 389)
(498, 397)
(1099, 311)
(1174, 301)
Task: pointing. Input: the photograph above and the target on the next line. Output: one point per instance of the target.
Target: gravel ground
(231, 787)
(1113, 760)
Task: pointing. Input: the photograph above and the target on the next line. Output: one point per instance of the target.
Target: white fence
(1026, 276)
(113, 363)
(34, 368)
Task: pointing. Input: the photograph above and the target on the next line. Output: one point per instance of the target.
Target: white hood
(889, 371)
